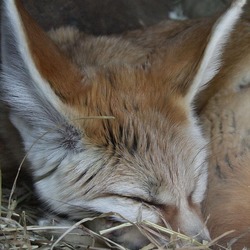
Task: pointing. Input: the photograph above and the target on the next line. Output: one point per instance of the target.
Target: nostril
(200, 239)
(199, 235)
(203, 236)
(191, 223)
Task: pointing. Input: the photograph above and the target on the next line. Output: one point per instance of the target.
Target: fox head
(113, 137)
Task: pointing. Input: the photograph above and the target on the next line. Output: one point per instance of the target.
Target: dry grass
(19, 228)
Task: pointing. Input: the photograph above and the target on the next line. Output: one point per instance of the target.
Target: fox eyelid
(140, 200)
(124, 196)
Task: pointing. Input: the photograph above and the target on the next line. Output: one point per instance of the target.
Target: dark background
(114, 16)
(101, 17)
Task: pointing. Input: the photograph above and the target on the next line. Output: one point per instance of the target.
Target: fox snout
(188, 220)
(193, 225)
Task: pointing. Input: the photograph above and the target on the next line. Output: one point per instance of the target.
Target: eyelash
(140, 200)
(190, 196)
(137, 199)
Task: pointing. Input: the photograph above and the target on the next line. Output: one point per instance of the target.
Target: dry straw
(19, 229)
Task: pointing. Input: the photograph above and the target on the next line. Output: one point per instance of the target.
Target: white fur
(199, 163)
(192, 224)
(211, 60)
(40, 84)
(131, 210)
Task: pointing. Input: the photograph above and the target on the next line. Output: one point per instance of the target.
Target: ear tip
(8, 4)
(239, 3)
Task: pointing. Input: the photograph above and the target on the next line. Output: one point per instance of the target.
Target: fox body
(108, 123)
(226, 123)
(223, 110)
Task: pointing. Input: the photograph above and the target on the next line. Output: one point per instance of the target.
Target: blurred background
(102, 17)
(115, 16)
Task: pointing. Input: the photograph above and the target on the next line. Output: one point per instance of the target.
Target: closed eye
(190, 198)
(141, 200)
(137, 199)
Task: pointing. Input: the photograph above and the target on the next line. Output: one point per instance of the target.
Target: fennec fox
(108, 122)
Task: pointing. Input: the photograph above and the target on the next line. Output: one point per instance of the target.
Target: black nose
(201, 238)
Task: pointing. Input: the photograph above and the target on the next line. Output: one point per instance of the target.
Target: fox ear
(26, 49)
(212, 55)
(37, 80)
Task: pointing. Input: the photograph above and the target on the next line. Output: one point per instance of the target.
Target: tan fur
(128, 152)
(227, 203)
(226, 122)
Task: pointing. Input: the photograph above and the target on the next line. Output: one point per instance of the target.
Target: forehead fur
(149, 139)
(166, 58)
(130, 96)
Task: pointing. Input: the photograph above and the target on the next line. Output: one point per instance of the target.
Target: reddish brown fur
(138, 108)
(172, 50)
(60, 73)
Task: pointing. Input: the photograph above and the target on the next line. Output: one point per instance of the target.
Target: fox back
(108, 123)
(226, 122)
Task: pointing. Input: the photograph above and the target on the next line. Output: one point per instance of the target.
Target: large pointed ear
(35, 72)
(27, 49)
(211, 58)
(37, 80)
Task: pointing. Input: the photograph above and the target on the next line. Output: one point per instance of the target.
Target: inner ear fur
(195, 55)
(63, 77)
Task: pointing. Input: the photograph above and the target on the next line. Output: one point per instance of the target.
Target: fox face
(112, 127)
